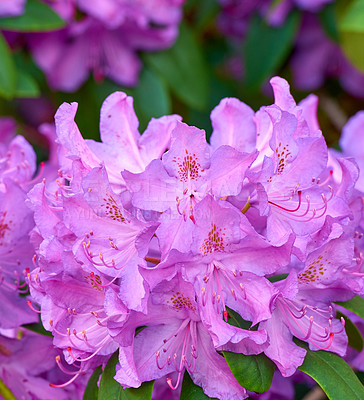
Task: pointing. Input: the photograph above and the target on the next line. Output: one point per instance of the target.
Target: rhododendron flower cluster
(153, 245)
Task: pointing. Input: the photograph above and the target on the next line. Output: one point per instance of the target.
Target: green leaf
(328, 20)
(110, 389)
(38, 17)
(7, 71)
(354, 335)
(26, 86)
(5, 392)
(92, 390)
(333, 374)
(254, 372)
(190, 391)
(184, 69)
(352, 45)
(351, 29)
(37, 327)
(151, 97)
(236, 320)
(352, 21)
(206, 13)
(266, 48)
(277, 278)
(356, 305)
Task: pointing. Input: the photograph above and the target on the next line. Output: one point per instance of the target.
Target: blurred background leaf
(7, 71)
(266, 48)
(184, 69)
(351, 27)
(38, 17)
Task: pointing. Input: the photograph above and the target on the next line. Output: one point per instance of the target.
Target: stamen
(66, 383)
(31, 306)
(91, 356)
(287, 209)
(39, 174)
(63, 369)
(152, 260)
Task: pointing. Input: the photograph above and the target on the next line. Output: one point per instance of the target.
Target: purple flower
(109, 238)
(113, 13)
(111, 32)
(181, 180)
(122, 145)
(289, 191)
(351, 145)
(11, 8)
(174, 340)
(303, 308)
(75, 309)
(27, 363)
(226, 265)
(16, 254)
(17, 166)
(317, 58)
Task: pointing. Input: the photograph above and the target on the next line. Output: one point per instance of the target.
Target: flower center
(179, 302)
(112, 210)
(214, 241)
(315, 270)
(189, 168)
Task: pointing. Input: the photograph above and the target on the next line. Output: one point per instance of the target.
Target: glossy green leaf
(7, 71)
(92, 390)
(5, 392)
(190, 391)
(26, 86)
(110, 389)
(356, 305)
(266, 48)
(236, 320)
(184, 69)
(333, 374)
(151, 97)
(38, 17)
(354, 335)
(254, 372)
